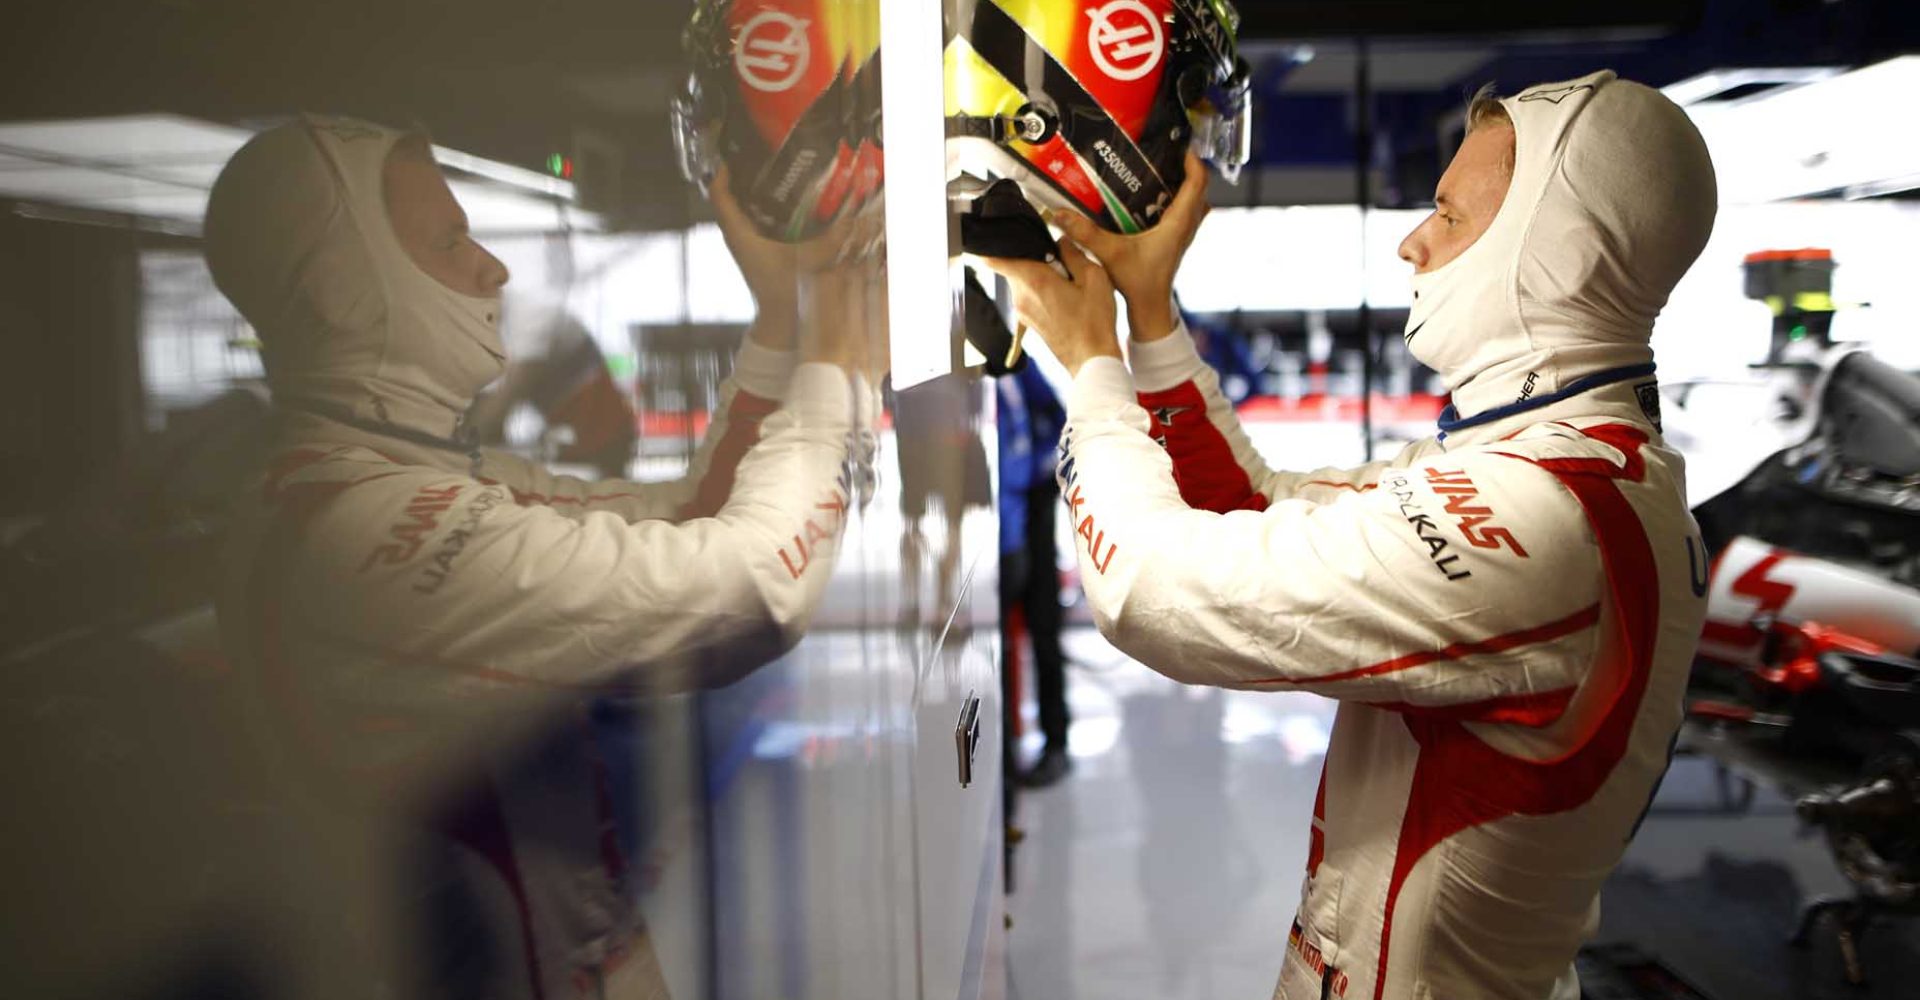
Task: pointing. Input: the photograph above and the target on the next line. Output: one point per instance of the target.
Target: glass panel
(459, 539)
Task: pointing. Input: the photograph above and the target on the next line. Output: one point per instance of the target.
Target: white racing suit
(512, 581)
(418, 633)
(1506, 617)
(1506, 613)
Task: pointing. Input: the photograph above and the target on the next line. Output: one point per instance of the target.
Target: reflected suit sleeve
(420, 609)
(751, 395)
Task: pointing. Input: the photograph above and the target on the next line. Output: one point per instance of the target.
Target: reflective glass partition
(461, 536)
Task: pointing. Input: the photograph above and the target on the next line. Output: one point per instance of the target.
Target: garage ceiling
(1331, 68)
(517, 81)
(1429, 18)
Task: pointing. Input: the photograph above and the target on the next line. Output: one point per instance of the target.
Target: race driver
(1506, 611)
(428, 622)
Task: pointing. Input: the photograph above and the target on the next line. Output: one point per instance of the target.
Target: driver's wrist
(785, 303)
(775, 329)
(1152, 318)
(1088, 353)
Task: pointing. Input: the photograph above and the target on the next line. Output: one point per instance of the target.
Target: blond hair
(1484, 108)
(1486, 111)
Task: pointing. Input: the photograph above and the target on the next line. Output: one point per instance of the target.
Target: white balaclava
(297, 236)
(1613, 197)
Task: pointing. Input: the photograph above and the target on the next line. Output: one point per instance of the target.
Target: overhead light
(1714, 83)
(155, 166)
(1839, 134)
(160, 168)
(505, 173)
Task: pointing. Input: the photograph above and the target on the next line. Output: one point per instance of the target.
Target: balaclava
(1613, 196)
(297, 236)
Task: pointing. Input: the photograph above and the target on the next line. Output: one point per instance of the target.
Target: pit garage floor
(1167, 865)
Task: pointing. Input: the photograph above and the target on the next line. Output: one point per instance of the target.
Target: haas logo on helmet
(1126, 39)
(771, 55)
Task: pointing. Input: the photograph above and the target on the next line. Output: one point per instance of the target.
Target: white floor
(1167, 866)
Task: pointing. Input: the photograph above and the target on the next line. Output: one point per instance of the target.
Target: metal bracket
(966, 737)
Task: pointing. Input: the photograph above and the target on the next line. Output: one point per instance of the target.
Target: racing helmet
(1092, 104)
(785, 93)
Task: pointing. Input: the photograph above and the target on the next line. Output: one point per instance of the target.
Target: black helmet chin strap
(1090, 131)
(1029, 124)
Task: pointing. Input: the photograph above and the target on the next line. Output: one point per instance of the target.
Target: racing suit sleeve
(1467, 585)
(747, 399)
(1215, 463)
(505, 596)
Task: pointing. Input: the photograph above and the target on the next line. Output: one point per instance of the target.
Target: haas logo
(772, 53)
(1126, 39)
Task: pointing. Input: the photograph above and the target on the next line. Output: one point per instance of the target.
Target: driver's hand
(1074, 317)
(844, 302)
(773, 268)
(1143, 265)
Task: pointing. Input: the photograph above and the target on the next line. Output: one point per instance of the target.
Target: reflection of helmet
(785, 93)
(1091, 104)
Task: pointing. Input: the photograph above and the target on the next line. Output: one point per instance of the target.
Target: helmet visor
(698, 159)
(1222, 120)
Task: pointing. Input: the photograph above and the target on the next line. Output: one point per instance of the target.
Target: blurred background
(834, 821)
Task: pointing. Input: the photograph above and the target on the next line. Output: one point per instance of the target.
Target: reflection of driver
(402, 596)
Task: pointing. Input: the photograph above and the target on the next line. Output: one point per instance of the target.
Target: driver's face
(431, 225)
(1469, 196)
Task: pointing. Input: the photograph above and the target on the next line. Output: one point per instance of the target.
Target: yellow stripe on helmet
(975, 88)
